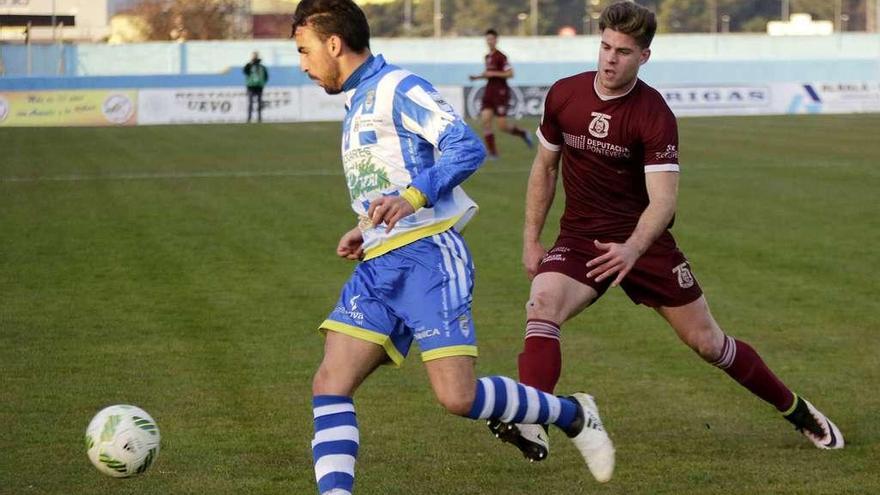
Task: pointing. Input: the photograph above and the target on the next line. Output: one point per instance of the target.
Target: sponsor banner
(215, 105)
(68, 108)
(824, 97)
(525, 101)
(318, 106)
(719, 100)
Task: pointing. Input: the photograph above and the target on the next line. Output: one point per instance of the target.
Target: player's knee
(456, 402)
(542, 306)
(706, 343)
(325, 383)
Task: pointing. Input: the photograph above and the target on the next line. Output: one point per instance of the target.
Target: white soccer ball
(122, 441)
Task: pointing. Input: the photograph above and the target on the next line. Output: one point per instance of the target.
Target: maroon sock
(516, 131)
(490, 144)
(744, 365)
(540, 362)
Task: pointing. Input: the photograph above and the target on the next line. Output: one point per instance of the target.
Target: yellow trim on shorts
(410, 237)
(454, 350)
(368, 335)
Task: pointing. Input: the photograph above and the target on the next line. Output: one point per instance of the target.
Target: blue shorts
(419, 291)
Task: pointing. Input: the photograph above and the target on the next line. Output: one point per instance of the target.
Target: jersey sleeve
(426, 114)
(503, 63)
(660, 137)
(549, 132)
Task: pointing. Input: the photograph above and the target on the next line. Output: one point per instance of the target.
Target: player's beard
(331, 83)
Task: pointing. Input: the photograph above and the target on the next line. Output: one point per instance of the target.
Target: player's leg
(502, 399)
(553, 299)
(559, 292)
(696, 327)
(250, 98)
(515, 130)
(259, 104)
(346, 364)
(486, 115)
(361, 333)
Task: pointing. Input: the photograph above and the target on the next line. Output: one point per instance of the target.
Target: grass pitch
(184, 270)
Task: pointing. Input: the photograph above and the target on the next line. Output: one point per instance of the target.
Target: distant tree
(186, 19)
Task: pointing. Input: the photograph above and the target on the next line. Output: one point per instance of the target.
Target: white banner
(824, 97)
(318, 106)
(215, 105)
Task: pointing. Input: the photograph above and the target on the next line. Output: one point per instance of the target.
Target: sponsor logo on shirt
(363, 174)
(600, 125)
(671, 153)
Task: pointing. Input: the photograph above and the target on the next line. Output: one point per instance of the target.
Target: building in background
(74, 20)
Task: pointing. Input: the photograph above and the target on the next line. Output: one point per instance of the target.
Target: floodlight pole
(786, 10)
(534, 17)
(53, 21)
(407, 16)
(438, 17)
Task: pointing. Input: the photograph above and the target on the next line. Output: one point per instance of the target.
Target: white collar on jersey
(609, 98)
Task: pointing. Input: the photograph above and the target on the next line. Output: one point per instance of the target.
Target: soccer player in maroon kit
(496, 97)
(618, 141)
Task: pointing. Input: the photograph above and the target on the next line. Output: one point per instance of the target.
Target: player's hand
(389, 210)
(618, 258)
(533, 253)
(351, 245)
(474, 77)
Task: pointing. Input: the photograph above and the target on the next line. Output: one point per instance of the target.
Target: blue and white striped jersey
(398, 131)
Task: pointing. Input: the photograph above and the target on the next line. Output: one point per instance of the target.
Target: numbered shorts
(661, 277)
(421, 291)
(497, 100)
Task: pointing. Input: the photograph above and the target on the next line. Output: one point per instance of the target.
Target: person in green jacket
(256, 77)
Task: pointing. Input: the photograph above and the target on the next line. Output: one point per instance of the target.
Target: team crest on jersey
(599, 125)
(370, 100)
(685, 277)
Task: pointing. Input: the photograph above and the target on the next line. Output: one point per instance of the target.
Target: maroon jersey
(608, 145)
(496, 61)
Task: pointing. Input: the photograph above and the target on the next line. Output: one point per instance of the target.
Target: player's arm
(539, 198)
(620, 258)
(461, 152)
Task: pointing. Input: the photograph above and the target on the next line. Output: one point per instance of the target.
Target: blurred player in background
(619, 144)
(415, 276)
(496, 96)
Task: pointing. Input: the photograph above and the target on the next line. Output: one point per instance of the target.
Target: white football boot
(592, 440)
(815, 426)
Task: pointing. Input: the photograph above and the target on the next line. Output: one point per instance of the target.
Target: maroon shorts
(661, 277)
(497, 100)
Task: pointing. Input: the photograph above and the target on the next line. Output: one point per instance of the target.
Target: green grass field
(184, 269)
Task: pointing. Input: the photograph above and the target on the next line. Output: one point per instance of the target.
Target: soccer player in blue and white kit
(405, 152)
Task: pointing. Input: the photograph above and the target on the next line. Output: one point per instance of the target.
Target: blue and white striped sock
(335, 446)
(501, 398)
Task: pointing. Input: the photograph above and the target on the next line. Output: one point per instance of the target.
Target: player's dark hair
(492, 32)
(340, 17)
(632, 19)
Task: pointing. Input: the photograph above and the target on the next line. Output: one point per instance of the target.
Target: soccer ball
(122, 441)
